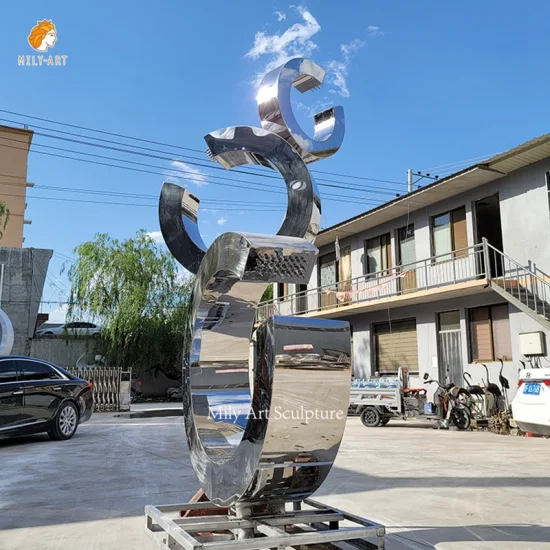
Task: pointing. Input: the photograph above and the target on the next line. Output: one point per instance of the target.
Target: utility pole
(409, 180)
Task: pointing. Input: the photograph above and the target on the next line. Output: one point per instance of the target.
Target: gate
(106, 385)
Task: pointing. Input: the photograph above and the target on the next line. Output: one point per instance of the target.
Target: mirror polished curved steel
(265, 405)
(178, 216)
(276, 114)
(238, 145)
(7, 334)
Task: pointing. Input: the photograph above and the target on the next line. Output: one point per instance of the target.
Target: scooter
(452, 404)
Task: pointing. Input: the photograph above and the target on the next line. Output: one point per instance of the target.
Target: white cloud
(339, 70)
(222, 220)
(317, 106)
(375, 31)
(351, 48)
(183, 170)
(156, 236)
(293, 42)
(281, 16)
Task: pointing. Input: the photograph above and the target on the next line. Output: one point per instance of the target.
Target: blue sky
(423, 84)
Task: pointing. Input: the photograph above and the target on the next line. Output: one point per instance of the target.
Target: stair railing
(517, 280)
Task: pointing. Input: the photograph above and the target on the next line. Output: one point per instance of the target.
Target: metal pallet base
(309, 524)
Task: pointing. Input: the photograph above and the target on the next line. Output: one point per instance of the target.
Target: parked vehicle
(452, 404)
(77, 328)
(531, 405)
(378, 399)
(136, 391)
(37, 396)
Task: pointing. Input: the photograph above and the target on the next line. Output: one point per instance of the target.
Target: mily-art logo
(42, 37)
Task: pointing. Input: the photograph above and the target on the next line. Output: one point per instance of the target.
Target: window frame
(489, 308)
(453, 252)
(17, 371)
(385, 254)
(50, 368)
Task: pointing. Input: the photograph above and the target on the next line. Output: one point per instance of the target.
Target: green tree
(4, 218)
(132, 289)
(267, 296)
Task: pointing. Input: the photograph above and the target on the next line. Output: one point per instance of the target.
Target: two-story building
(443, 279)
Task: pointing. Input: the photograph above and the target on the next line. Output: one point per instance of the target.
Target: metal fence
(106, 385)
(466, 264)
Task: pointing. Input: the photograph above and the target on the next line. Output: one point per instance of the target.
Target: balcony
(450, 275)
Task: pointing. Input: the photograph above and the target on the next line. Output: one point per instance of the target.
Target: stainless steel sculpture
(7, 334)
(277, 116)
(265, 409)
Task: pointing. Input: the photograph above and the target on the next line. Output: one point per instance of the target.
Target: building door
(450, 354)
(344, 274)
(406, 255)
(328, 278)
(395, 345)
(488, 225)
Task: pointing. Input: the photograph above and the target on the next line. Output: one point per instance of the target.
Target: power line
(174, 172)
(144, 197)
(364, 178)
(197, 177)
(465, 161)
(259, 187)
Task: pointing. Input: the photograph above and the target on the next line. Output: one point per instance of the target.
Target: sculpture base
(292, 525)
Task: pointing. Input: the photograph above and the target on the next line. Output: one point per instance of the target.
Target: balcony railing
(459, 266)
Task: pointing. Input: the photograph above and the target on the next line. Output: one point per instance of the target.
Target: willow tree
(134, 291)
(4, 218)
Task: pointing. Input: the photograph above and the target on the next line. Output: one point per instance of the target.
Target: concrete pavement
(432, 489)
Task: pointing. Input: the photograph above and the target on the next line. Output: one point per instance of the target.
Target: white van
(531, 405)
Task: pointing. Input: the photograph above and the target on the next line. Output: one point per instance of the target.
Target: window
(32, 370)
(490, 333)
(395, 345)
(378, 254)
(216, 314)
(548, 188)
(8, 371)
(449, 320)
(449, 235)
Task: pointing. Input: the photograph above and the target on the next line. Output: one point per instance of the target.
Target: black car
(37, 396)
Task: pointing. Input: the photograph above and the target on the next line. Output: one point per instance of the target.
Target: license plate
(533, 389)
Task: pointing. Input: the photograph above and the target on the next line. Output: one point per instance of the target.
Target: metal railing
(519, 281)
(465, 264)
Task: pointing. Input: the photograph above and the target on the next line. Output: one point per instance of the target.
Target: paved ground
(445, 490)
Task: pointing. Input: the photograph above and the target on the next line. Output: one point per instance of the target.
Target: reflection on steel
(178, 215)
(265, 409)
(270, 432)
(7, 334)
(240, 145)
(277, 116)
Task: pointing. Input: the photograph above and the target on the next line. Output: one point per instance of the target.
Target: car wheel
(371, 417)
(65, 422)
(133, 396)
